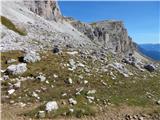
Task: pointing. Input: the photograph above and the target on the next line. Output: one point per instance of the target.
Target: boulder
(11, 91)
(72, 64)
(69, 81)
(90, 99)
(85, 81)
(72, 53)
(91, 92)
(41, 78)
(41, 114)
(17, 85)
(149, 67)
(158, 102)
(5, 77)
(31, 57)
(56, 50)
(51, 106)
(17, 69)
(34, 94)
(72, 101)
(71, 110)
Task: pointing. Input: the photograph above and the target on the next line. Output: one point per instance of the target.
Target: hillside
(56, 67)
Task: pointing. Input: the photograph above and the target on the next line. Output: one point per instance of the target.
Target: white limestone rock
(41, 114)
(17, 69)
(11, 91)
(72, 101)
(31, 57)
(72, 53)
(51, 106)
(17, 85)
(91, 92)
(11, 61)
(41, 78)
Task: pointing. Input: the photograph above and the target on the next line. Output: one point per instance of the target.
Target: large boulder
(149, 67)
(31, 57)
(17, 69)
(51, 106)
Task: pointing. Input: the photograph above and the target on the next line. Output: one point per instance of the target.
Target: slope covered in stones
(41, 33)
(80, 85)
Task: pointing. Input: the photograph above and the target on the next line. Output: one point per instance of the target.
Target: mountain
(44, 24)
(48, 9)
(151, 50)
(110, 34)
(56, 67)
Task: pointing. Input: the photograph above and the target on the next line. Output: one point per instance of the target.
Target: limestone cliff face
(112, 35)
(48, 9)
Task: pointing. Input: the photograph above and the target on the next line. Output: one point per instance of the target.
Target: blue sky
(140, 18)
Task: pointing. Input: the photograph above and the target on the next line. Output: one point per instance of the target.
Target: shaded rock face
(112, 35)
(48, 9)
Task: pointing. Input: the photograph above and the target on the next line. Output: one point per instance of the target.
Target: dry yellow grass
(14, 112)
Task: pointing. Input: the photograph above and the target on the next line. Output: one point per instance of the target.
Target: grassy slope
(6, 22)
(128, 91)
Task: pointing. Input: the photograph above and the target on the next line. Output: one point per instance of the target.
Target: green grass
(122, 91)
(10, 25)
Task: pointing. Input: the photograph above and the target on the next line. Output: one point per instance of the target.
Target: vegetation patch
(10, 25)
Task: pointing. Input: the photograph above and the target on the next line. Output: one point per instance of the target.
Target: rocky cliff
(103, 36)
(48, 9)
(112, 35)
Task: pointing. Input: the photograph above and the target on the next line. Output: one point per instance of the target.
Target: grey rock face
(17, 69)
(31, 57)
(48, 9)
(112, 35)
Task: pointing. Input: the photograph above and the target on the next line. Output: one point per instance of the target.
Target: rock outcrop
(48, 9)
(112, 35)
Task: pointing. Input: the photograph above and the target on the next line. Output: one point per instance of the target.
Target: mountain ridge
(151, 50)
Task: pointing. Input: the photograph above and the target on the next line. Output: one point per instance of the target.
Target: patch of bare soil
(14, 112)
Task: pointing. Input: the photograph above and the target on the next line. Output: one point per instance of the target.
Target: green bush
(6, 22)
